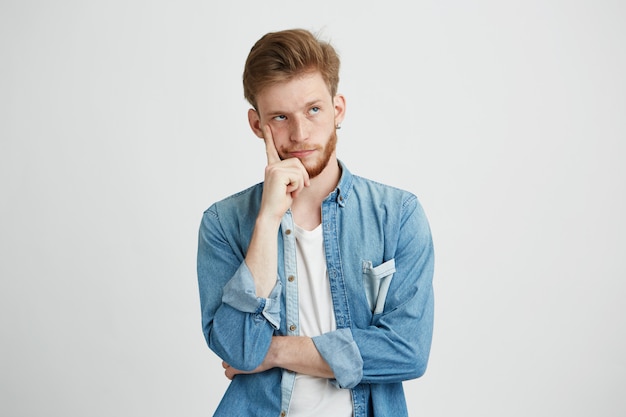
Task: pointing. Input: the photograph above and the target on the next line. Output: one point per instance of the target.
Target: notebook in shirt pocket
(376, 281)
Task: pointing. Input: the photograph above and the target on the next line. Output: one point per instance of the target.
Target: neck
(306, 209)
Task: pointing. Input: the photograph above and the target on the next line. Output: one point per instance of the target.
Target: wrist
(268, 222)
(272, 356)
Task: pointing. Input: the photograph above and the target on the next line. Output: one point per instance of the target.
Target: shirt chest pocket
(376, 281)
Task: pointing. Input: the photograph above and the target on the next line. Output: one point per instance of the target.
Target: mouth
(301, 153)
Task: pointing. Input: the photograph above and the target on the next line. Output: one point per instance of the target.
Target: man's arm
(395, 346)
(283, 181)
(294, 353)
(237, 325)
(239, 293)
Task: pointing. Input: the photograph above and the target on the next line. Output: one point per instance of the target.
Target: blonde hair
(282, 56)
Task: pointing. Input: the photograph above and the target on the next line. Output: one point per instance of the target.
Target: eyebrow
(308, 104)
(312, 102)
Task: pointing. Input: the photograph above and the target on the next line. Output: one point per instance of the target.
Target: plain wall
(122, 121)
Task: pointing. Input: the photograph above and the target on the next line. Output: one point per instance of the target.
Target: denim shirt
(379, 257)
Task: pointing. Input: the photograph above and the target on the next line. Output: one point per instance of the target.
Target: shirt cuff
(342, 354)
(240, 294)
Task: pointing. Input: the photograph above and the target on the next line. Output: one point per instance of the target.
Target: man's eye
(314, 110)
(281, 117)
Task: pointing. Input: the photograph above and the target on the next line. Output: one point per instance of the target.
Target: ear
(255, 123)
(339, 102)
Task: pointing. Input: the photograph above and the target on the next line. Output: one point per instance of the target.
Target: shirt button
(291, 278)
(292, 327)
(288, 231)
(283, 414)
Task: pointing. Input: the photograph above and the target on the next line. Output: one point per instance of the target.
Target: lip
(301, 154)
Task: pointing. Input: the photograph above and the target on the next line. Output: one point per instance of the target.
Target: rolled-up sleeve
(240, 294)
(341, 352)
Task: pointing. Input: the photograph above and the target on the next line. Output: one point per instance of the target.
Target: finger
(302, 173)
(270, 146)
(298, 180)
(296, 184)
(306, 181)
(225, 365)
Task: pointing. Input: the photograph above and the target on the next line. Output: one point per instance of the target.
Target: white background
(122, 121)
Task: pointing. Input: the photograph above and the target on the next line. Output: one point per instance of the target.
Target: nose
(299, 130)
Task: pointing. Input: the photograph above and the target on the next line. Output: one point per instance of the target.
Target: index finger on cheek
(270, 147)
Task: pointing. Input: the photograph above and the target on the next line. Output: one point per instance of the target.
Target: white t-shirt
(312, 396)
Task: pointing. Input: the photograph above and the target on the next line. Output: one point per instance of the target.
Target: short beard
(316, 167)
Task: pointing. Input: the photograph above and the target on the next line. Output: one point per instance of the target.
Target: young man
(315, 285)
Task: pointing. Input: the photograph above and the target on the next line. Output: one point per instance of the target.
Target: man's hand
(231, 372)
(284, 179)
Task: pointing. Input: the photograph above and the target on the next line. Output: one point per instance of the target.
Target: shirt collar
(342, 192)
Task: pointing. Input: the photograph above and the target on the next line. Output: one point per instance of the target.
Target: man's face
(302, 116)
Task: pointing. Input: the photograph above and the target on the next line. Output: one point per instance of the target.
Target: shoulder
(386, 201)
(238, 204)
(381, 192)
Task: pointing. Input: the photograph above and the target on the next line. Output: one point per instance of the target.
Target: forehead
(294, 94)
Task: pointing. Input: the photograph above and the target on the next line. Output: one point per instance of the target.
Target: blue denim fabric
(380, 259)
